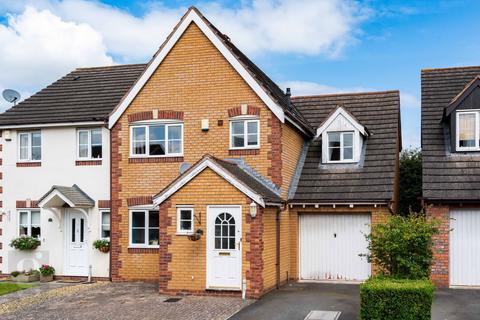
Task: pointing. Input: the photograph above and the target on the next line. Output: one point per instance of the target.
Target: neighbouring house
(451, 170)
(218, 181)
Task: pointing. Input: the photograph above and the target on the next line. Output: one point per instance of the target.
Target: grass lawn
(7, 287)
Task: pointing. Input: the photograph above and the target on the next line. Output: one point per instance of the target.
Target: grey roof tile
(74, 194)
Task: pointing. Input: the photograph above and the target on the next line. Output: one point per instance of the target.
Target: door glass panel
(82, 230)
(225, 232)
(73, 230)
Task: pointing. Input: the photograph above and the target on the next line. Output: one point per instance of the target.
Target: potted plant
(46, 273)
(25, 276)
(25, 243)
(102, 245)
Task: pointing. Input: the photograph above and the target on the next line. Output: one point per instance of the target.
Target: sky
(312, 46)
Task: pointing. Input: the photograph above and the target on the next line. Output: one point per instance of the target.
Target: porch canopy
(60, 197)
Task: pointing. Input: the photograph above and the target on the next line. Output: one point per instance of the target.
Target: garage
(465, 247)
(330, 245)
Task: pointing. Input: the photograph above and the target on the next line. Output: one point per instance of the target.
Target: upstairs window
(90, 144)
(340, 146)
(157, 140)
(30, 146)
(244, 134)
(29, 223)
(468, 132)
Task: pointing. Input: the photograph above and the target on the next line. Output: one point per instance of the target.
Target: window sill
(244, 152)
(80, 163)
(191, 233)
(155, 159)
(29, 164)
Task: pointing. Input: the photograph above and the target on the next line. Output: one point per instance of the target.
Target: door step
(323, 315)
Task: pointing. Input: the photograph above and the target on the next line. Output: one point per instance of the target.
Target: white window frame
(342, 133)
(245, 133)
(89, 155)
(147, 228)
(29, 221)
(477, 130)
(183, 231)
(29, 134)
(147, 139)
(102, 224)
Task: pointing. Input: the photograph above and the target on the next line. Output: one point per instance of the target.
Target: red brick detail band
(165, 257)
(103, 204)
(220, 293)
(155, 160)
(28, 164)
(1, 175)
(88, 163)
(138, 201)
(116, 203)
(162, 114)
(237, 111)
(243, 152)
(255, 255)
(143, 250)
(440, 267)
(275, 154)
(20, 204)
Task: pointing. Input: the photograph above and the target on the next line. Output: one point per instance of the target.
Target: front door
(77, 251)
(224, 247)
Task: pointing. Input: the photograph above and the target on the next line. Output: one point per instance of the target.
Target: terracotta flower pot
(104, 249)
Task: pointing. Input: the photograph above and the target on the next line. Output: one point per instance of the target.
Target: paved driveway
(296, 301)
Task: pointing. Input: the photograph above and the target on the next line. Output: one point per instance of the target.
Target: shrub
(385, 298)
(46, 270)
(102, 245)
(14, 273)
(402, 247)
(25, 243)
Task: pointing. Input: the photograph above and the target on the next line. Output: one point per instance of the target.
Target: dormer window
(468, 133)
(340, 146)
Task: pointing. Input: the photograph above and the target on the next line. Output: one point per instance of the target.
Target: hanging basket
(195, 236)
(104, 249)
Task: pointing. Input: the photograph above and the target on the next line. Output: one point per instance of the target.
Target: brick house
(451, 192)
(221, 182)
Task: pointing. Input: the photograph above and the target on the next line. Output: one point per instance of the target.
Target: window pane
(224, 243)
(35, 217)
(83, 137)
(106, 218)
(97, 152)
(175, 132)
(252, 127)
(185, 215)
(24, 218)
(139, 140)
(23, 140)
(334, 139)
(157, 148)
(153, 219)
(466, 123)
(138, 219)
(139, 134)
(217, 231)
(138, 236)
(83, 151)
(231, 243)
(157, 132)
(139, 148)
(36, 153)
(36, 232)
(348, 139)
(96, 137)
(334, 154)
(36, 139)
(175, 146)
(185, 225)
(238, 141)
(23, 231)
(237, 127)
(252, 139)
(153, 236)
(105, 231)
(348, 153)
(82, 229)
(217, 243)
(74, 232)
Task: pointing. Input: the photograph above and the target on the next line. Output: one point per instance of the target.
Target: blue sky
(349, 46)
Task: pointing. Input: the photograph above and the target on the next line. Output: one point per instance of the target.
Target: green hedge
(384, 298)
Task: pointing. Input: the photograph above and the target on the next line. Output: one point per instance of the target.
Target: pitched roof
(73, 194)
(230, 171)
(83, 95)
(373, 179)
(446, 176)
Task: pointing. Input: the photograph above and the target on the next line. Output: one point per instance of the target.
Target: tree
(410, 181)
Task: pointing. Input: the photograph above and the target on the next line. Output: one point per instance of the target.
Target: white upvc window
(468, 130)
(105, 224)
(340, 146)
(144, 228)
(245, 134)
(30, 146)
(89, 142)
(156, 140)
(184, 220)
(29, 223)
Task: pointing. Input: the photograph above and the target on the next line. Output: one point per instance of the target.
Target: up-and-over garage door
(330, 245)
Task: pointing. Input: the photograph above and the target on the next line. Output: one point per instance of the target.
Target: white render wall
(58, 168)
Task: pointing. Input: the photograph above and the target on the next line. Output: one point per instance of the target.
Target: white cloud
(409, 101)
(37, 47)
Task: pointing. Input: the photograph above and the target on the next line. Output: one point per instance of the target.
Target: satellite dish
(184, 166)
(11, 95)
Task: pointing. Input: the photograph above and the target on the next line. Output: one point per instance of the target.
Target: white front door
(330, 245)
(76, 250)
(224, 247)
(465, 247)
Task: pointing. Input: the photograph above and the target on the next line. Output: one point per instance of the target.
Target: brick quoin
(165, 257)
(440, 267)
(116, 203)
(275, 154)
(255, 255)
(138, 201)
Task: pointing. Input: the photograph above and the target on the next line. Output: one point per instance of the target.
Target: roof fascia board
(47, 125)
(297, 126)
(340, 111)
(157, 200)
(192, 16)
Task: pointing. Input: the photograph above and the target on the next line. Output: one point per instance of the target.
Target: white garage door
(465, 247)
(330, 245)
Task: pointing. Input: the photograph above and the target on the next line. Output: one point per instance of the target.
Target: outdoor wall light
(253, 209)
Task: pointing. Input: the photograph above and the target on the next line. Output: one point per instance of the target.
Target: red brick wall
(440, 267)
